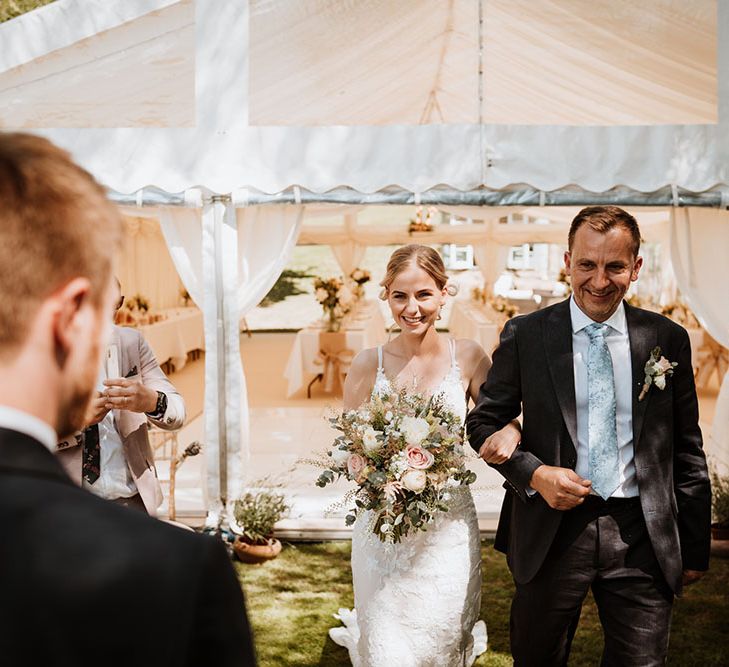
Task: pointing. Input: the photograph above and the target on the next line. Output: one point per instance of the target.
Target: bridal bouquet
(405, 452)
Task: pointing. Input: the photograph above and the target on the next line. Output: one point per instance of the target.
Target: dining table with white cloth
(173, 337)
(365, 328)
(472, 320)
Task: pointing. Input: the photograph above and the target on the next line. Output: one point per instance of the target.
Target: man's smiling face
(601, 267)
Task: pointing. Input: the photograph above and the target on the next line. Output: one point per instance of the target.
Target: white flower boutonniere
(656, 370)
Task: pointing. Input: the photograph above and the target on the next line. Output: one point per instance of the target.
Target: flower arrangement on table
(359, 277)
(501, 306)
(138, 302)
(420, 224)
(336, 299)
(406, 454)
(565, 280)
(680, 313)
(481, 295)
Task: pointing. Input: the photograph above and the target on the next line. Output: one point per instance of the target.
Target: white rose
(369, 440)
(321, 295)
(388, 416)
(660, 381)
(345, 295)
(340, 456)
(414, 480)
(414, 429)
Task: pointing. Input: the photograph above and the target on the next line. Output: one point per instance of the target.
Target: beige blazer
(135, 358)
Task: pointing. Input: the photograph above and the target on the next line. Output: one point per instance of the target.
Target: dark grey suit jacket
(532, 373)
(86, 582)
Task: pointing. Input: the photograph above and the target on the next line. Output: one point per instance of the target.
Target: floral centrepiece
(359, 277)
(657, 368)
(406, 454)
(336, 299)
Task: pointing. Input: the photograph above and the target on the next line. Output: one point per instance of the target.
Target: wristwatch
(160, 408)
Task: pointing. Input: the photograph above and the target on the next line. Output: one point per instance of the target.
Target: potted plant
(719, 505)
(256, 514)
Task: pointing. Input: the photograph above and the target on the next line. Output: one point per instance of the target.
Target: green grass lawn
(291, 601)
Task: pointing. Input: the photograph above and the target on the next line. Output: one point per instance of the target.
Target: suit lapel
(558, 344)
(643, 338)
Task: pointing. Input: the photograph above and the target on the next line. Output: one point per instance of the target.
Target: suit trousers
(603, 546)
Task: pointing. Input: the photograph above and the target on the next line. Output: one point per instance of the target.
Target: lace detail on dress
(417, 601)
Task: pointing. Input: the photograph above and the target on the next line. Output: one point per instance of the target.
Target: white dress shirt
(22, 422)
(618, 344)
(115, 479)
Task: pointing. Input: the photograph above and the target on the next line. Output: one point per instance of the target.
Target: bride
(417, 601)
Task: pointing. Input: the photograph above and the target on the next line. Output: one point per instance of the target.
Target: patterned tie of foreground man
(608, 490)
(82, 581)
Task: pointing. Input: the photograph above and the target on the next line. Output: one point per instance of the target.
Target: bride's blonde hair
(422, 256)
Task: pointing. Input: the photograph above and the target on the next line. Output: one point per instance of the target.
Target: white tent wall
(699, 249)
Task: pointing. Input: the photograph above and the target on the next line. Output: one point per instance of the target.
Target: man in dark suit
(82, 581)
(609, 488)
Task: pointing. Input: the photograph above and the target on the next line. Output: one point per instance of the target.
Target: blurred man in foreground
(82, 581)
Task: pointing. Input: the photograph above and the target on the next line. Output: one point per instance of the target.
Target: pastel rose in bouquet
(406, 453)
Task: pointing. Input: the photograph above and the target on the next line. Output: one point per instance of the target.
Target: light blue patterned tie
(602, 427)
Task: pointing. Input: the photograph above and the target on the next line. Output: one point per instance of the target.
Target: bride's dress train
(418, 601)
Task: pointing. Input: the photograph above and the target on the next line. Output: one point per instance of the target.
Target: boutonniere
(656, 369)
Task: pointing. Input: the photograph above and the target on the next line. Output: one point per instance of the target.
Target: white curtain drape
(350, 253)
(228, 259)
(145, 266)
(699, 248)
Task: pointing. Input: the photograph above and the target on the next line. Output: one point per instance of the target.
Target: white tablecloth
(364, 330)
(172, 338)
(469, 320)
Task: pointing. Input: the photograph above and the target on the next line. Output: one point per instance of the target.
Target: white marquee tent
(230, 121)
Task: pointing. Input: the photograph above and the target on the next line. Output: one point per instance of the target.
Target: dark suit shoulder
(661, 322)
(536, 317)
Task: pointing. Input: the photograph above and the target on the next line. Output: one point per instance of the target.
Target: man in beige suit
(111, 456)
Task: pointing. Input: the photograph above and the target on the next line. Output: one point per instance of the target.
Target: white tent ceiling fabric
(224, 151)
(69, 65)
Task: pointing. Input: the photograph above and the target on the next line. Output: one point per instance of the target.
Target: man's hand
(561, 488)
(691, 576)
(128, 394)
(96, 409)
(499, 446)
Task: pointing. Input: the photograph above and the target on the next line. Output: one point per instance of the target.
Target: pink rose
(419, 458)
(355, 465)
(664, 365)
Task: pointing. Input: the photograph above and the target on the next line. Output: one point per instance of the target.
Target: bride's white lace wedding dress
(417, 602)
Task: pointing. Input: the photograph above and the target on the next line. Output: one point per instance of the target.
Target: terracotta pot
(256, 553)
(719, 531)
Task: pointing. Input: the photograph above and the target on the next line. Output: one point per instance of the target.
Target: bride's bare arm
(360, 379)
(498, 447)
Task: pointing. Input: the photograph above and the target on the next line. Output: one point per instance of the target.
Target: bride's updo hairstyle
(422, 256)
